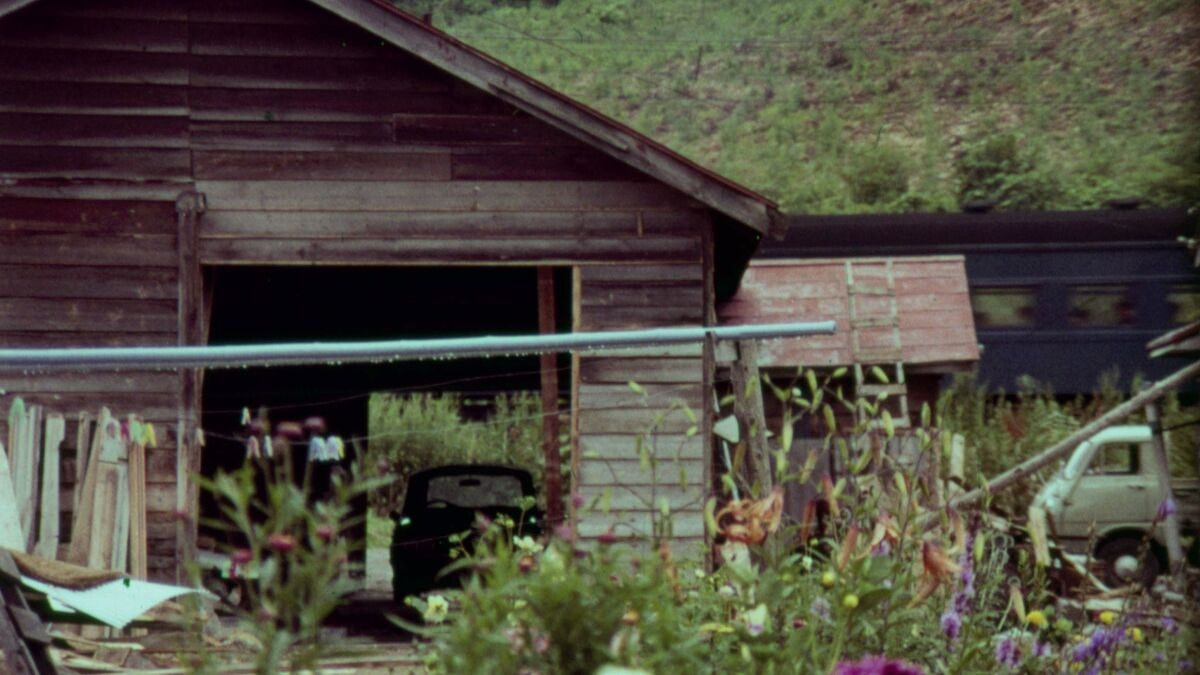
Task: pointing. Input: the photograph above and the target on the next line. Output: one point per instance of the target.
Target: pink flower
(607, 537)
(326, 533)
(877, 665)
(281, 543)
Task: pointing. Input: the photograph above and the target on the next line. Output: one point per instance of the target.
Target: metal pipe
(381, 351)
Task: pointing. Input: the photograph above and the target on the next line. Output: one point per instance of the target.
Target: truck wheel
(1122, 566)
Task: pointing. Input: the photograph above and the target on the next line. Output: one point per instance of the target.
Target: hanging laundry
(253, 448)
(335, 448)
(268, 447)
(316, 449)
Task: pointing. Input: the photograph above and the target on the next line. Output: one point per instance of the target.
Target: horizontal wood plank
(45, 215)
(643, 274)
(603, 472)
(159, 10)
(97, 191)
(71, 249)
(684, 524)
(36, 281)
(408, 74)
(281, 105)
(43, 339)
(332, 39)
(455, 196)
(114, 163)
(522, 162)
(458, 129)
(641, 498)
(657, 395)
(438, 251)
(235, 165)
(101, 315)
(623, 446)
(84, 98)
(622, 371)
(148, 382)
(97, 131)
(631, 421)
(64, 65)
(34, 31)
(276, 136)
(649, 296)
(483, 224)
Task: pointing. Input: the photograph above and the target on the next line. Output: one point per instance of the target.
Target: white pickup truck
(1108, 494)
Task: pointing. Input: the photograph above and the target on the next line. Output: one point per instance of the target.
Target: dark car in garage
(442, 506)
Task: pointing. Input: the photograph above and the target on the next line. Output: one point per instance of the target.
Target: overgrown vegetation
(887, 585)
(417, 431)
(1002, 431)
(900, 105)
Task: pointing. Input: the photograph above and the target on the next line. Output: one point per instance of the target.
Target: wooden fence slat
(47, 539)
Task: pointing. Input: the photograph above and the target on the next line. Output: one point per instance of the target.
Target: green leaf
(879, 374)
(636, 388)
(830, 419)
(888, 426)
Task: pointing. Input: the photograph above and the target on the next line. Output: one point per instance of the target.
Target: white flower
(436, 609)
(756, 620)
(527, 544)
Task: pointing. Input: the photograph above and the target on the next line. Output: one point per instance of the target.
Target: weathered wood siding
(313, 142)
(615, 421)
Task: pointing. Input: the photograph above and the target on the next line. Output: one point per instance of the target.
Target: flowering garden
(890, 583)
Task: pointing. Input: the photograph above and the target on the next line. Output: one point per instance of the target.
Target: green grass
(816, 103)
(379, 530)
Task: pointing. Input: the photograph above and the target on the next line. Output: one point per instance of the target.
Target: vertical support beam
(576, 326)
(188, 207)
(1162, 468)
(549, 368)
(748, 407)
(708, 362)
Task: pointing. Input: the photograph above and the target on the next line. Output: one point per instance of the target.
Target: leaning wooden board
(11, 535)
(47, 541)
(81, 521)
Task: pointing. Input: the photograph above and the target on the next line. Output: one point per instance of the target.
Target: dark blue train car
(1061, 296)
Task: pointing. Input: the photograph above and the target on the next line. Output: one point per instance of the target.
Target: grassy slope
(854, 106)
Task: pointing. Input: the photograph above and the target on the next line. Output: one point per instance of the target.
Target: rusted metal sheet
(933, 309)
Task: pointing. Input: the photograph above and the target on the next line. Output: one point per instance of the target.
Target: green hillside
(890, 105)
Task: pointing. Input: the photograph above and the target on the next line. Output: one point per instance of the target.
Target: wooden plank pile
(95, 492)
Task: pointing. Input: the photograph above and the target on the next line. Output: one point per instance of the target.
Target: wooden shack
(145, 145)
(910, 316)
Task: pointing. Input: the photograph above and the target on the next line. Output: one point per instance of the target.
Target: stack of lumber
(105, 493)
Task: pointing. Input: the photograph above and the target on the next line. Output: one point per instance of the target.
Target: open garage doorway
(256, 305)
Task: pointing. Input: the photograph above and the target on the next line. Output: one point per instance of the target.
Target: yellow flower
(850, 601)
(1135, 634)
(1108, 617)
(1036, 618)
(828, 579)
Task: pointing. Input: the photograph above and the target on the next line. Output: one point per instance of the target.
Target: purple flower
(882, 548)
(1008, 653)
(1185, 665)
(877, 665)
(1166, 509)
(1170, 625)
(951, 624)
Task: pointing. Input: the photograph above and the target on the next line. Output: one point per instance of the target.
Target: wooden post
(188, 207)
(576, 390)
(1175, 559)
(549, 368)
(748, 407)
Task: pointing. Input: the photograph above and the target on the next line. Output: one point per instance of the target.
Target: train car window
(1184, 303)
(1107, 305)
(1005, 307)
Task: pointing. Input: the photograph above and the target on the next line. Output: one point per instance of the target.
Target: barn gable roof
(544, 103)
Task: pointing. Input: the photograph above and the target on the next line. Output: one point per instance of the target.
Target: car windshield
(475, 490)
